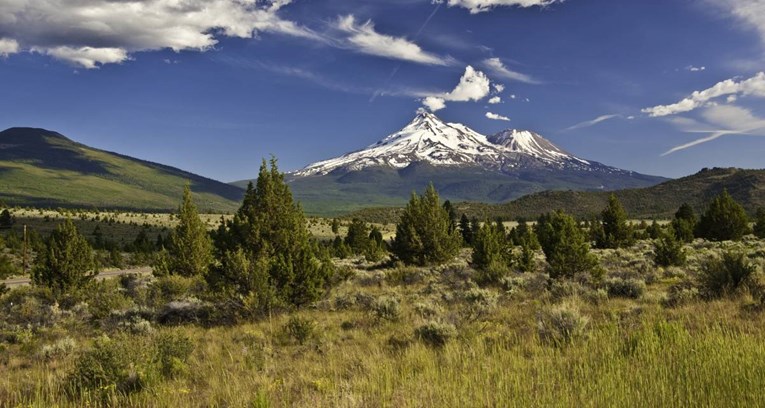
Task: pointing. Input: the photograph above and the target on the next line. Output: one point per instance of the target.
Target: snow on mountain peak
(430, 139)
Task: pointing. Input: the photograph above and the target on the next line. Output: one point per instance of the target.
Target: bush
(190, 310)
(106, 367)
(61, 348)
(625, 288)
(681, 294)
(387, 308)
(724, 276)
(561, 324)
(480, 302)
(436, 334)
(668, 251)
(172, 352)
(300, 329)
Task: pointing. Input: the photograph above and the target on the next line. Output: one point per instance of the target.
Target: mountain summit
(464, 165)
(428, 139)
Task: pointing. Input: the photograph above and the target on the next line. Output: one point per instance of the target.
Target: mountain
(42, 168)
(463, 164)
(660, 201)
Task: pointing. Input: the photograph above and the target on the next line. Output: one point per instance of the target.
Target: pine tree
(724, 220)
(684, 223)
(616, 232)
(759, 223)
(452, 215)
(492, 255)
(189, 247)
(66, 261)
(357, 237)
(270, 230)
(564, 245)
(423, 235)
(466, 230)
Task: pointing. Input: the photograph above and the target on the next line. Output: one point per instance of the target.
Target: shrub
(668, 251)
(300, 329)
(404, 275)
(191, 310)
(759, 223)
(625, 288)
(172, 351)
(480, 301)
(680, 294)
(723, 276)
(435, 333)
(561, 324)
(387, 308)
(106, 367)
(61, 348)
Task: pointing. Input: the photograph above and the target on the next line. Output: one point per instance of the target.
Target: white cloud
(498, 88)
(473, 86)
(592, 122)
(495, 100)
(365, 39)
(695, 69)
(8, 46)
(733, 120)
(495, 116)
(92, 32)
(499, 69)
(479, 6)
(754, 86)
(749, 12)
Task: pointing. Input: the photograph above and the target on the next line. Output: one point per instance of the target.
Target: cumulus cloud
(499, 69)
(592, 122)
(495, 100)
(754, 86)
(498, 88)
(480, 6)
(8, 46)
(495, 116)
(720, 120)
(365, 39)
(93, 32)
(473, 86)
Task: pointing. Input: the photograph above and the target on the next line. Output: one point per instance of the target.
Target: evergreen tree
(684, 223)
(423, 236)
(335, 226)
(759, 223)
(466, 230)
(357, 238)
(66, 261)
(189, 247)
(564, 245)
(654, 230)
(724, 220)
(668, 250)
(452, 215)
(616, 232)
(492, 255)
(6, 219)
(270, 230)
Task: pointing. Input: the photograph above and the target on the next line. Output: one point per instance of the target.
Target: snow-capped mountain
(429, 139)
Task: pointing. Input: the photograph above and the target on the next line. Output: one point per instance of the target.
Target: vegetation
(424, 235)
(189, 248)
(724, 220)
(614, 232)
(66, 262)
(684, 224)
(492, 255)
(564, 245)
(668, 250)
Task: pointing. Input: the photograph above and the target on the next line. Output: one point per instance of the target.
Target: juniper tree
(616, 232)
(492, 255)
(189, 248)
(759, 223)
(564, 245)
(668, 250)
(66, 261)
(684, 223)
(466, 230)
(423, 235)
(357, 237)
(724, 220)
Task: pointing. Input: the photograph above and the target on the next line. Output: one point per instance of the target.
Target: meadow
(392, 335)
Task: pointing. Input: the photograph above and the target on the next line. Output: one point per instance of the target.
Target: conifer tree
(759, 223)
(189, 246)
(423, 235)
(564, 244)
(684, 223)
(616, 232)
(357, 238)
(466, 230)
(668, 250)
(492, 255)
(724, 220)
(66, 261)
(452, 214)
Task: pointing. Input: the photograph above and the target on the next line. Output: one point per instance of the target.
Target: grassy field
(404, 336)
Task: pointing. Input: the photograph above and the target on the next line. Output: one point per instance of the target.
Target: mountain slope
(463, 164)
(43, 168)
(660, 201)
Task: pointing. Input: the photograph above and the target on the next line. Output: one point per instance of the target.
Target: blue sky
(213, 86)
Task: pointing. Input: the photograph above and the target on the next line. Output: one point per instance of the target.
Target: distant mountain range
(660, 201)
(463, 164)
(42, 168)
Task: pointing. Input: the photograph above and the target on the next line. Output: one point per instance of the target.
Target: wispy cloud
(495, 116)
(498, 68)
(733, 119)
(480, 6)
(363, 38)
(754, 86)
(592, 122)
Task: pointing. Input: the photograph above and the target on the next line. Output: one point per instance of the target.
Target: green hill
(659, 201)
(45, 169)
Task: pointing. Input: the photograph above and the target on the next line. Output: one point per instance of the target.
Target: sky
(662, 87)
